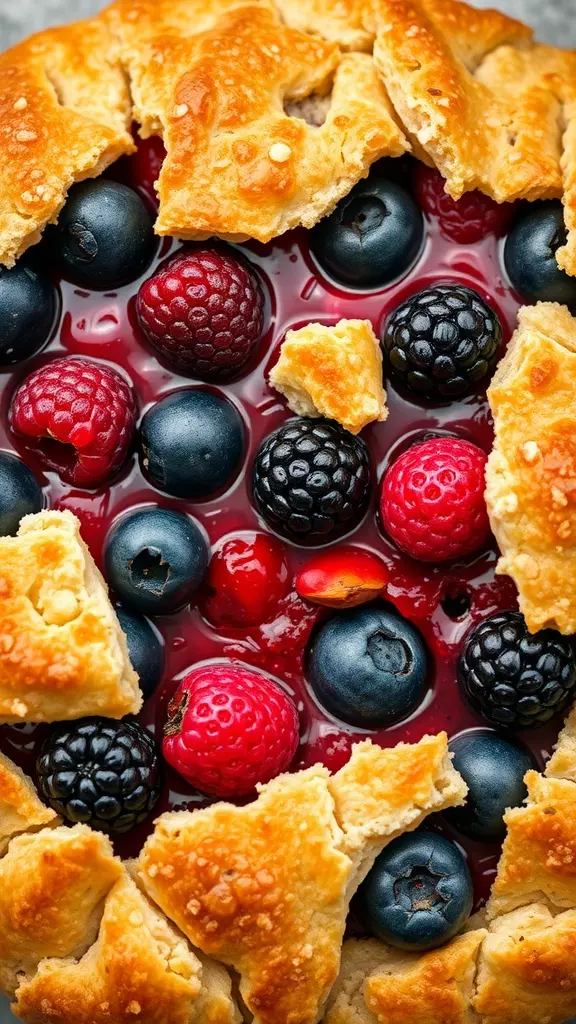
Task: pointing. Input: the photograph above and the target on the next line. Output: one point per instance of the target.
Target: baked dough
(381, 985)
(52, 886)
(538, 862)
(562, 764)
(334, 372)
(265, 888)
(64, 116)
(531, 472)
(527, 969)
(62, 652)
(140, 970)
(493, 110)
(20, 808)
(345, 22)
(212, 79)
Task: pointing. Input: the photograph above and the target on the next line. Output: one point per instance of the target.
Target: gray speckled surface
(555, 21)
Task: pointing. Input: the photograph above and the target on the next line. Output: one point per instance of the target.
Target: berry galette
(287, 479)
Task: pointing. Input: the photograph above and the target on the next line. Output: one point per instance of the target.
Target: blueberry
(20, 493)
(373, 236)
(368, 666)
(145, 647)
(28, 304)
(191, 443)
(104, 236)
(156, 559)
(493, 769)
(530, 255)
(419, 892)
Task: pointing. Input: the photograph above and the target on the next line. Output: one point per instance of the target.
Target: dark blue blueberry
(20, 493)
(191, 443)
(28, 304)
(493, 769)
(368, 666)
(530, 255)
(419, 892)
(156, 559)
(146, 649)
(373, 236)
(104, 237)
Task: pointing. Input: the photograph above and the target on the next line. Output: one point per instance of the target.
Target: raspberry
(247, 578)
(514, 678)
(203, 310)
(229, 728)
(80, 403)
(464, 220)
(432, 502)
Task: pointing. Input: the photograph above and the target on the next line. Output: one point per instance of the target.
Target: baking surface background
(555, 22)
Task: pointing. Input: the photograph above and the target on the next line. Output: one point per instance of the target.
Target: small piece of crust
(139, 969)
(538, 862)
(52, 886)
(382, 985)
(62, 652)
(527, 969)
(492, 110)
(213, 83)
(64, 116)
(334, 372)
(562, 764)
(20, 808)
(265, 888)
(531, 472)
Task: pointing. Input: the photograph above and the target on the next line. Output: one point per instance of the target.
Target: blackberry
(515, 678)
(442, 341)
(106, 774)
(312, 480)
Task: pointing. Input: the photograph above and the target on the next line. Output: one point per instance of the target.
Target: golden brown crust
(538, 862)
(140, 969)
(531, 472)
(334, 372)
(62, 652)
(527, 970)
(64, 116)
(380, 984)
(52, 886)
(266, 887)
(484, 103)
(562, 764)
(214, 87)
(20, 808)
(345, 22)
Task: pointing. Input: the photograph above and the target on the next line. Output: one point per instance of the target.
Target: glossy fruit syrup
(443, 601)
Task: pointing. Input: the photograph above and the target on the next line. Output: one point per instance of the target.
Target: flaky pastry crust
(531, 472)
(20, 808)
(493, 110)
(64, 116)
(62, 652)
(265, 888)
(381, 985)
(334, 372)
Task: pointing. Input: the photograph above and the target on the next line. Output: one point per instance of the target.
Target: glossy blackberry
(106, 774)
(312, 480)
(442, 341)
(515, 678)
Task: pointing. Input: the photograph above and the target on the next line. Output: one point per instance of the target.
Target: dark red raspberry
(203, 310)
(83, 404)
(464, 220)
(229, 728)
(432, 502)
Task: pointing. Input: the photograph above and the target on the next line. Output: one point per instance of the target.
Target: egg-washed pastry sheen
(62, 652)
(531, 472)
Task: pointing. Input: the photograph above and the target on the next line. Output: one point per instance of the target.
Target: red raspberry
(432, 501)
(80, 403)
(464, 220)
(229, 728)
(203, 310)
(247, 578)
